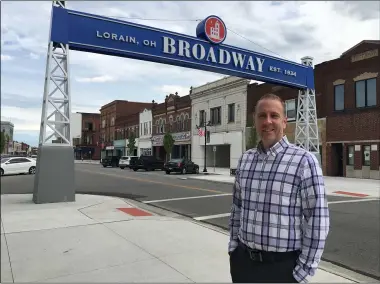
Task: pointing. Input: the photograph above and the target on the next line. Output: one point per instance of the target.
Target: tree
(2, 142)
(252, 139)
(131, 143)
(168, 143)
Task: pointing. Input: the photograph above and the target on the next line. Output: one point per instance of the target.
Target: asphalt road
(353, 242)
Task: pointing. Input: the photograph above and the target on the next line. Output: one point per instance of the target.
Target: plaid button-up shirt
(279, 204)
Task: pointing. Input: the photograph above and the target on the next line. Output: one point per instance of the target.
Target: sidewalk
(92, 240)
(97, 162)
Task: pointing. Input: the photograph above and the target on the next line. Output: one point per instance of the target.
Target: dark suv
(147, 163)
(110, 161)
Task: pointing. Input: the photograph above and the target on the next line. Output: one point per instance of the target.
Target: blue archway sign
(98, 34)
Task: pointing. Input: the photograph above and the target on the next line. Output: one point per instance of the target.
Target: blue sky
(288, 29)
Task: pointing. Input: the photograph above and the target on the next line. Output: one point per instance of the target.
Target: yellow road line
(155, 182)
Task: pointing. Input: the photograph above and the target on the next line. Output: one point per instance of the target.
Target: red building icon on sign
(215, 30)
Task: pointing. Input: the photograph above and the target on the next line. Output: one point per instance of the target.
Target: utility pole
(205, 124)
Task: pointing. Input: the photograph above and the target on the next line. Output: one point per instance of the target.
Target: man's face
(270, 121)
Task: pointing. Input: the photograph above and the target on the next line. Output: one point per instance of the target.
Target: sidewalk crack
(9, 256)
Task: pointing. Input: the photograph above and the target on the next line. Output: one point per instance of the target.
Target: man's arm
(316, 214)
(234, 223)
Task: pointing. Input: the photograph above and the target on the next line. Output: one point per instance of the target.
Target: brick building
(108, 115)
(290, 96)
(127, 126)
(348, 111)
(350, 88)
(87, 145)
(174, 116)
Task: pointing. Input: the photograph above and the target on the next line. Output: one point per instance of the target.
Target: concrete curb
(346, 273)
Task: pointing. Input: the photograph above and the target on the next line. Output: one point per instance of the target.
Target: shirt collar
(276, 148)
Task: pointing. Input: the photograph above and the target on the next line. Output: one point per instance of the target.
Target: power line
(256, 43)
(194, 20)
(154, 19)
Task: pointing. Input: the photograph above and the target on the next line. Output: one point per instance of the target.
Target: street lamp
(205, 126)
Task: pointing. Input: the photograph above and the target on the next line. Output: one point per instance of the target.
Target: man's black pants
(246, 267)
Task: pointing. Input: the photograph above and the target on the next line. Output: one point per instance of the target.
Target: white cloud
(99, 79)
(172, 89)
(34, 56)
(23, 119)
(292, 30)
(5, 57)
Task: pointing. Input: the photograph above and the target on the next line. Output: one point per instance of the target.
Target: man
(279, 217)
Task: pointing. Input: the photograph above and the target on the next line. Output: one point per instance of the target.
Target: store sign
(178, 137)
(94, 33)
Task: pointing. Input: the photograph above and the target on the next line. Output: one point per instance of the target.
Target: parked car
(110, 161)
(182, 166)
(17, 165)
(125, 161)
(147, 163)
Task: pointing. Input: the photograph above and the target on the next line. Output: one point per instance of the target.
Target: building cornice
(220, 89)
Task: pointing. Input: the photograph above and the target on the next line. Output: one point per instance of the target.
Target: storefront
(135, 151)
(145, 147)
(119, 147)
(181, 147)
(83, 152)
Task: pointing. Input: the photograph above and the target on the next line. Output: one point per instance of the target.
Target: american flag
(201, 132)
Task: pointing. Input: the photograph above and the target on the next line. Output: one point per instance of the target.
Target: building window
(216, 115)
(290, 106)
(365, 92)
(231, 113)
(202, 116)
(351, 155)
(366, 155)
(186, 122)
(339, 97)
(182, 122)
(157, 127)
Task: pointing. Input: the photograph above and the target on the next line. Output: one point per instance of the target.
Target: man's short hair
(271, 96)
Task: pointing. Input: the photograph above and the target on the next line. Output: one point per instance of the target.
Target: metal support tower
(307, 135)
(54, 181)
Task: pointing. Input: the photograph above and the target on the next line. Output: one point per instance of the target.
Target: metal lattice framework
(307, 135)
(56, 105)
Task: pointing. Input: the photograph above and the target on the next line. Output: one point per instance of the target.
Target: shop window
(350, 155)
(366, 155)
(231, 113)
(339, 97)
(365, 92)
(216, 115)
(290, 106)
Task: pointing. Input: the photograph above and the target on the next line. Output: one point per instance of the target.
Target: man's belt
(267, 256)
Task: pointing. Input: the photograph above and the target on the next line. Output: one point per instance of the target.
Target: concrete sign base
(55, 178)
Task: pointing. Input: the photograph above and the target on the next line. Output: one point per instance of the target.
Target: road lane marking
(186, 198)
(212, 217)
(154, 182)
(353, 201)
(332, 202)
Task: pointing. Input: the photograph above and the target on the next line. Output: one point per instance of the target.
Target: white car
(125, 161)
(18, 165)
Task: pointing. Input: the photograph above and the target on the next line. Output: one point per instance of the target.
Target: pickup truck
(147, 163)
